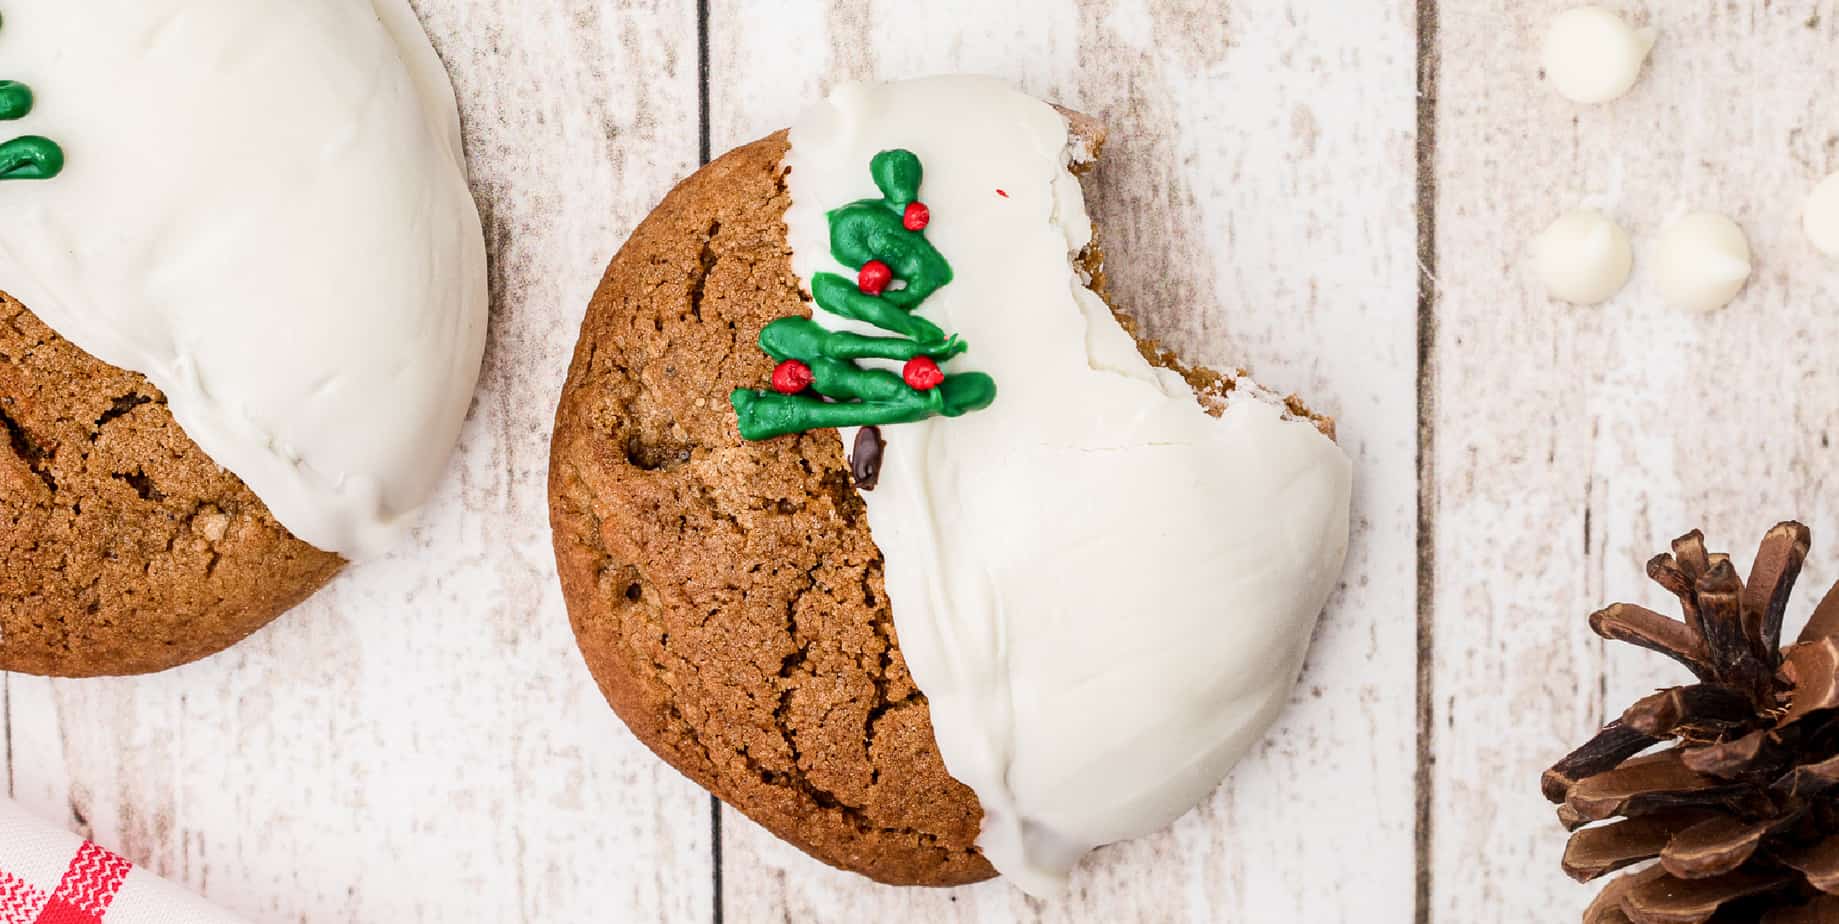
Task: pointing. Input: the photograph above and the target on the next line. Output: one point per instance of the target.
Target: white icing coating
(1703, 261)
(1822, 216)
(265, 212)
(1104, 593)
(1592, 55)
(1584, 257)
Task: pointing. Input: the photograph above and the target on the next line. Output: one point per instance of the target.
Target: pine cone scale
(1824, 623)
(1720, 794)
(1611, 746)
(1811, 669)
(1667, 900)
(1822, 910)
(1607, 908)
(1636, 625)
(1807, 780)
(1702, 706)
(1819, 863)
(1733, 660)
(1726, 760)
(1765, 595)
(1596, 852)
(1689, 551)
(1663, 570)
(1714, 847)
(1650, 784)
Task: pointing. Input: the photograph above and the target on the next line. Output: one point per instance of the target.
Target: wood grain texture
(1574, 443)
(1257, 203)
(422, 742)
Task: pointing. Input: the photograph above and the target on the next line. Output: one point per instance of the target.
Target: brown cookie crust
(123, 548)
(727, 595)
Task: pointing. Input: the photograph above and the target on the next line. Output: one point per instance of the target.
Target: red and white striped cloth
(50, 876)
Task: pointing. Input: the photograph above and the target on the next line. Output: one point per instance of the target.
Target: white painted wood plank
(1258, 200)
(422, 741)
(1574, 443)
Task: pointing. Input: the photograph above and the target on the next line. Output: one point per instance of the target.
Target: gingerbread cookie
(243, 314)
(876, 521)
(126, 549)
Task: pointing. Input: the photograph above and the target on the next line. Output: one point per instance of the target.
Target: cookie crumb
(214, 526)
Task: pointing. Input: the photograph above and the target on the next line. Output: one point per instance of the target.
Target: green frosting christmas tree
(818, 382)
(28, 157)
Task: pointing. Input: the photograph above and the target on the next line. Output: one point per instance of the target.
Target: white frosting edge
(318, 338)
(1039, 821)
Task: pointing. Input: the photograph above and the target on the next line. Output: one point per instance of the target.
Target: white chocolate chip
(1584, 257)
(1593, 55)
(1703, 261)
(1822, 218)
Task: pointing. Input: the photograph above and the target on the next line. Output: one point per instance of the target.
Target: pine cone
(1742, 807)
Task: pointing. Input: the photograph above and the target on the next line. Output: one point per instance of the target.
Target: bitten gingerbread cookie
(241, 314)
(875, 519)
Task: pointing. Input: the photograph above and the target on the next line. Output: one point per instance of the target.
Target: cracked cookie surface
(727, 596)
(124, 548)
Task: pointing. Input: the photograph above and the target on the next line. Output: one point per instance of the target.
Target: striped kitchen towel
(50, 876)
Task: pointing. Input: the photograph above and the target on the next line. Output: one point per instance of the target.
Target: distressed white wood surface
(1573, 443)
(1257, 203)
(421, 742)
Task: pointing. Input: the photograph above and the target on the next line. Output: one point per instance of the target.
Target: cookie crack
(706, 260)
(119, 407)
(669, 634)
(36, 457)
(144, 487)
(794, 777)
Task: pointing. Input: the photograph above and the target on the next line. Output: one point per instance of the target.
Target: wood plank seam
(6, 716)
(1193, 214)
(702, 76)
(704, 155)
(1426, 152)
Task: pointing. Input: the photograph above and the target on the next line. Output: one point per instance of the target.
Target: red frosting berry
(874, 277)
(917, 217)
(922, 373)
(792, 377)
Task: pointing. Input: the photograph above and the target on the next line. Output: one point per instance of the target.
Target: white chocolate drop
(1822, 217)
(1703, 261)
(1592, 55)
(1584, 257)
